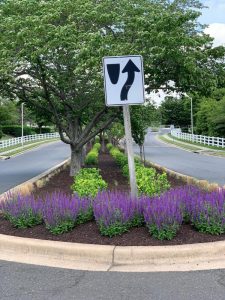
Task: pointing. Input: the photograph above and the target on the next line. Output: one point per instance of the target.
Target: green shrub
(109, 146)
(97, 146)
(16, 130)
(88, 182)
(121, 158)
(42, 130)
(150, 183)
(92, 157)
(97, 139)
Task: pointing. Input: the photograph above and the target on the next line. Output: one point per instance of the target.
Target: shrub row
(16, 130)
(149, 182)
(88, 182)
(92, 156)
(116, 212)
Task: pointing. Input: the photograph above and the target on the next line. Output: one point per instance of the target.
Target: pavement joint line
(113, 255)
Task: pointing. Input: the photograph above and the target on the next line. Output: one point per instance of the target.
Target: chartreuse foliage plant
(149, 182)
(109, 146)
(88, 182)
(92, 156)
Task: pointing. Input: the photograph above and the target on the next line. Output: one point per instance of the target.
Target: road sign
(124, 80)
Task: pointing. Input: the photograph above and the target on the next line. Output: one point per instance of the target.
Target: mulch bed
(89, 233)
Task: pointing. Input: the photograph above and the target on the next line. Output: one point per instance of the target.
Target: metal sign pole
(130, 152)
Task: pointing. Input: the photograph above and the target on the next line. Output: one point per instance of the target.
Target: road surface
(28, 282)
(23, 167)
(200, 166)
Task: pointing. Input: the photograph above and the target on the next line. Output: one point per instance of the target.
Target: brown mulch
(89, 233)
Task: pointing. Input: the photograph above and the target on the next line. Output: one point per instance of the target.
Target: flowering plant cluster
(115, 212)
(22, 211)
(59, 212)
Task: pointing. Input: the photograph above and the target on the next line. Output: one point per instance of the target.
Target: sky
(214, 17)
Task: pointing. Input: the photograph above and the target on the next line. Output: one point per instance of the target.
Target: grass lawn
(186, 147)
(197, 144)
(27, 146)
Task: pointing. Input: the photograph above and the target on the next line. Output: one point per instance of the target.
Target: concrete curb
(37, 181)
(113, 258)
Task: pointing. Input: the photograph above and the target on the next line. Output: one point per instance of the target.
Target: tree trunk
(141, 152)
(144, 154)
(84, 150)
(76, 160)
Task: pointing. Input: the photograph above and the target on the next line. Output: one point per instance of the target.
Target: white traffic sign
(124, 80)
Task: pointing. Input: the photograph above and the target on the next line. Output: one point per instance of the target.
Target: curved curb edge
(113, 258)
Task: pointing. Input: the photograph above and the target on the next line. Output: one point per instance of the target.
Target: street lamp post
(192, 123)
(22, 113)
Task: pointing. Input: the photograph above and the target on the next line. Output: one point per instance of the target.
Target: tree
(9, 113)
(210, 118)
(176, 111)
(51, 53)
(141, 118)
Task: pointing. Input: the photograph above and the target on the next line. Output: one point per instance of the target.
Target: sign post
(130, 151)
(124, 86)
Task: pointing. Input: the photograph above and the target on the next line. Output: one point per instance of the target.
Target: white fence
(201, 139)
(28, 138)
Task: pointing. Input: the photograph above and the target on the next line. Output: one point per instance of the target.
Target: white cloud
(217, 31)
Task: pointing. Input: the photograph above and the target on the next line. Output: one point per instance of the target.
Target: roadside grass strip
(181, 145)
(14, 150)
(203, 146)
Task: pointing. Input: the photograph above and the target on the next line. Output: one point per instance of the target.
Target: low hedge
(92, 156)
(16, 130)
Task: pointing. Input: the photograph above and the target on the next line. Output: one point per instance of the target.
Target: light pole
(22, 113)
(192, 123)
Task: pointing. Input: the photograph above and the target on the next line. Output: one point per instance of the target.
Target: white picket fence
(201, 139)
(28, 138)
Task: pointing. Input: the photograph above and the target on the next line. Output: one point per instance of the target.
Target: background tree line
(51, 58)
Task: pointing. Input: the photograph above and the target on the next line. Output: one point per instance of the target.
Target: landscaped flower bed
(149, 182)
(115, 212)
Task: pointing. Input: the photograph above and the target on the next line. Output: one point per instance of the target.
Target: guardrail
(28, 138)
(201, 139)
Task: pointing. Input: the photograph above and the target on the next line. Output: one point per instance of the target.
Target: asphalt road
(200, 166)
(28, 282)
(20, 168)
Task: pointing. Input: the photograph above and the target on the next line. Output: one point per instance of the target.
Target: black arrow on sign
(130, 68)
